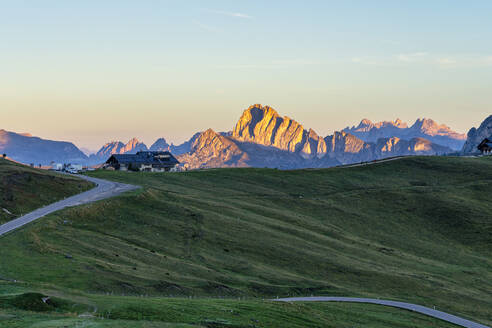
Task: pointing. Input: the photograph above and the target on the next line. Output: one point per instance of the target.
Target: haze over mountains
(422, 128)
(27, 149)
(263, 138)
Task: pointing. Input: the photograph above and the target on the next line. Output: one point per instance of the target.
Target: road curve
(407, 306)
(104, 189)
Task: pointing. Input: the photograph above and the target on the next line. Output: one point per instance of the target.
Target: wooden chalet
(149, 161)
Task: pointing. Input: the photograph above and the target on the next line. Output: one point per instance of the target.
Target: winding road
(104, 189)
(407, 306)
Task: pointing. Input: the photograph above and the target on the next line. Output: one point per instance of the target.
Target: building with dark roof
(149, 161)
(485, 147)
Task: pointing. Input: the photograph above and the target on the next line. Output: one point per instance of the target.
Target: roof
(146, 157)
(486, 143)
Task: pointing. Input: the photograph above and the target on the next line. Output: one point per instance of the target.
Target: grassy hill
(134, 312)
(23, 189)
(416, 229)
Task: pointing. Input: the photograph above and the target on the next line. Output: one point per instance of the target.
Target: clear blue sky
(93, 71)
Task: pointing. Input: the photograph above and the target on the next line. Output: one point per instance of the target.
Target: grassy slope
(179, 312)
(417, 229)
(23, 189)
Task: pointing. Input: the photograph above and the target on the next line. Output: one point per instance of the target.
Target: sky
(95, 71)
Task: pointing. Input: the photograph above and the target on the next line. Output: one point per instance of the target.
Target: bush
(31, 302)
(133, 167)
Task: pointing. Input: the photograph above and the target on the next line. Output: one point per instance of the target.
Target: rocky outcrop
(346, 148)
(314, 147)
(27, 149)
(262, 125)
(211, 149)
(133, 146)
(117, 147)
(475, 136)
(390, 147)
(113, 147)
(366, 125)
(430, 127)
(185, 147)
(422, 128)
(160, 145)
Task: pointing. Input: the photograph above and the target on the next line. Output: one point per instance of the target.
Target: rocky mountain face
(346, 148)
(264, 126)
(113, 147)
(212, 149)
(416, 146)
(117, 147)
(263, 138)
(27, 149)
(160, 145)
(422, 128)
(185, 146)
(475, 136)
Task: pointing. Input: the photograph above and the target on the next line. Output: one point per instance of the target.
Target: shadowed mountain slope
(476, 136)
(28, 149)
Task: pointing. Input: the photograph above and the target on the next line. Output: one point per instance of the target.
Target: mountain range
(263, 138)
(134, 145)
(422, 128)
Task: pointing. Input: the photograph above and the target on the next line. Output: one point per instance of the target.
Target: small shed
(485, 147)
(149, 161)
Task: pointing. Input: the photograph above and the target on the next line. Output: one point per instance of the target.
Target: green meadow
(209, 248)
(24, 189)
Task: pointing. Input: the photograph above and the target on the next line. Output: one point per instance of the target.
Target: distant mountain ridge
(422, 128)
(134, 145)
(24, 148)
(160, 145)
(263, 138)
(118, 147)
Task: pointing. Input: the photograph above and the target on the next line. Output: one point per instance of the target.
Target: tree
(4, 155)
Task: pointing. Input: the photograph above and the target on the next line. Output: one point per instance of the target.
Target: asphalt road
(407, 306)
(104, 189)
(373, 162)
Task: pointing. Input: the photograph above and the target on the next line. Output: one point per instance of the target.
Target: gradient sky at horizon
(94, 71)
